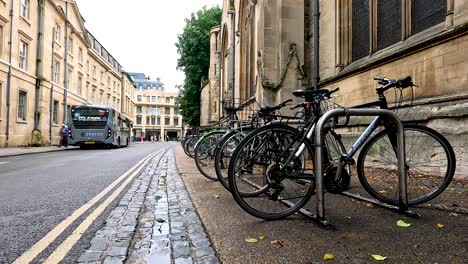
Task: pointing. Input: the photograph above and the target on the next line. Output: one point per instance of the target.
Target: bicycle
(231, 139)
(260, 182)
(382, 146)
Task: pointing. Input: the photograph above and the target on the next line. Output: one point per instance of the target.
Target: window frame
(55, 112)
(79, 86)
(23, 108)
(80, 55)
(56, 71)
(1, 100)
(25, 7)
(23, 61)
(1, 40)
(344, 29)
(56, 32)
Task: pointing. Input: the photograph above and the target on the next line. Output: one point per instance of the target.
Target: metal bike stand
(318, 168)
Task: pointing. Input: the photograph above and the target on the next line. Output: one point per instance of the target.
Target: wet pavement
(155, 222)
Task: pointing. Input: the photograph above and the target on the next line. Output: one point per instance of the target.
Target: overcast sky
(141, 34)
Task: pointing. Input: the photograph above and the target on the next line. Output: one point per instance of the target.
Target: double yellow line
(61, 251)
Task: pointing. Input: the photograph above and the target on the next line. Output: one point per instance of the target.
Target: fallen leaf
(251, 240)
(369, 205)
(278, 242)
(216, 196)
(390, 187)
(328, 256)
(440, 225)
(349, 217)
(453, 214)
(160, 220)
(216, 186)
(379, 257)
(261, 237)
(382, 191)
(402, 223)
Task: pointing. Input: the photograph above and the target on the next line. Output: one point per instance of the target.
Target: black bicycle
(282, 166)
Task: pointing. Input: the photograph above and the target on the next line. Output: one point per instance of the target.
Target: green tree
(193, 46)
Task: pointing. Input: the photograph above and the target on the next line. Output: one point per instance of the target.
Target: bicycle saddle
(309, 94)
(267, 109)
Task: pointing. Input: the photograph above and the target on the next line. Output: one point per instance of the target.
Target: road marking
(88, 157)
(61, 251)
(42, 244)
(46, 156)
(4, 162)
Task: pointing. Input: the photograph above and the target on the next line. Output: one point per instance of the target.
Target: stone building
(210, 92)
(267, 51)
(157, 113)
(53, 62)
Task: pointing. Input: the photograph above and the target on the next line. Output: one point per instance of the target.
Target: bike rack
(318, 168)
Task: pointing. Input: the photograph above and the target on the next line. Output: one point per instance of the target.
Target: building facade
(156, 111)
(53, 62)
(210, 92)
(267, 51)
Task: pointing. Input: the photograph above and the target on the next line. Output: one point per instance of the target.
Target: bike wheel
(204, 155)
(260, 183)
(190, 146)
(430, 165)
(334, 150)
(223, 155)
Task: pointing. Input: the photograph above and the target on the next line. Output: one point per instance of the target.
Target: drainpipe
(218, 52)
(51, 104)
(232, 12)
(316, 43)
(65, 78)
(40, 42)
(8, 86)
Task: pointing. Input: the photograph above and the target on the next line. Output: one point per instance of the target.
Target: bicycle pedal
(347, 160)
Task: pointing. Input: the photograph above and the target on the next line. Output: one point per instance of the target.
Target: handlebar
(389, 83)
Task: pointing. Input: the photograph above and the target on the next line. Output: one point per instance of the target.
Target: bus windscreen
(90, 115)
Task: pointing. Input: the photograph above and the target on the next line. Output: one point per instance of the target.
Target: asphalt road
(39, 191)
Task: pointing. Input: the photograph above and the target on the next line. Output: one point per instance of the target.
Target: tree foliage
(193, 46)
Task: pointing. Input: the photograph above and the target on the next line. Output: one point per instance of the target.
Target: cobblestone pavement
(155, 222)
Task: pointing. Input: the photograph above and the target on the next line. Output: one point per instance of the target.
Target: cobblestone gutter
(155, 222)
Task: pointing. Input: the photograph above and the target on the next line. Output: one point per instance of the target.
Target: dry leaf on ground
(251, 240)
(440, 225)
(402, 223)
(278, 242)
(328, 256)
(379, 257)
(216, 196)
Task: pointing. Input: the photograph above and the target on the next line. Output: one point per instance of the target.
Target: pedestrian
(152, 138)
(142, 137)
(63, 136)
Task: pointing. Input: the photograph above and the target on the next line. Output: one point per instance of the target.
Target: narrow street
(41, 190)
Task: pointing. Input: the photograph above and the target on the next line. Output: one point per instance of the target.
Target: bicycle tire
(275, 196)
(419, 141)
(204, 154)
(223, 155)
(190, 145)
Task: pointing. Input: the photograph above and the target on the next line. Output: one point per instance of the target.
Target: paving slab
(360, 230)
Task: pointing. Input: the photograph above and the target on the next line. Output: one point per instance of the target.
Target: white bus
(98, 125)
